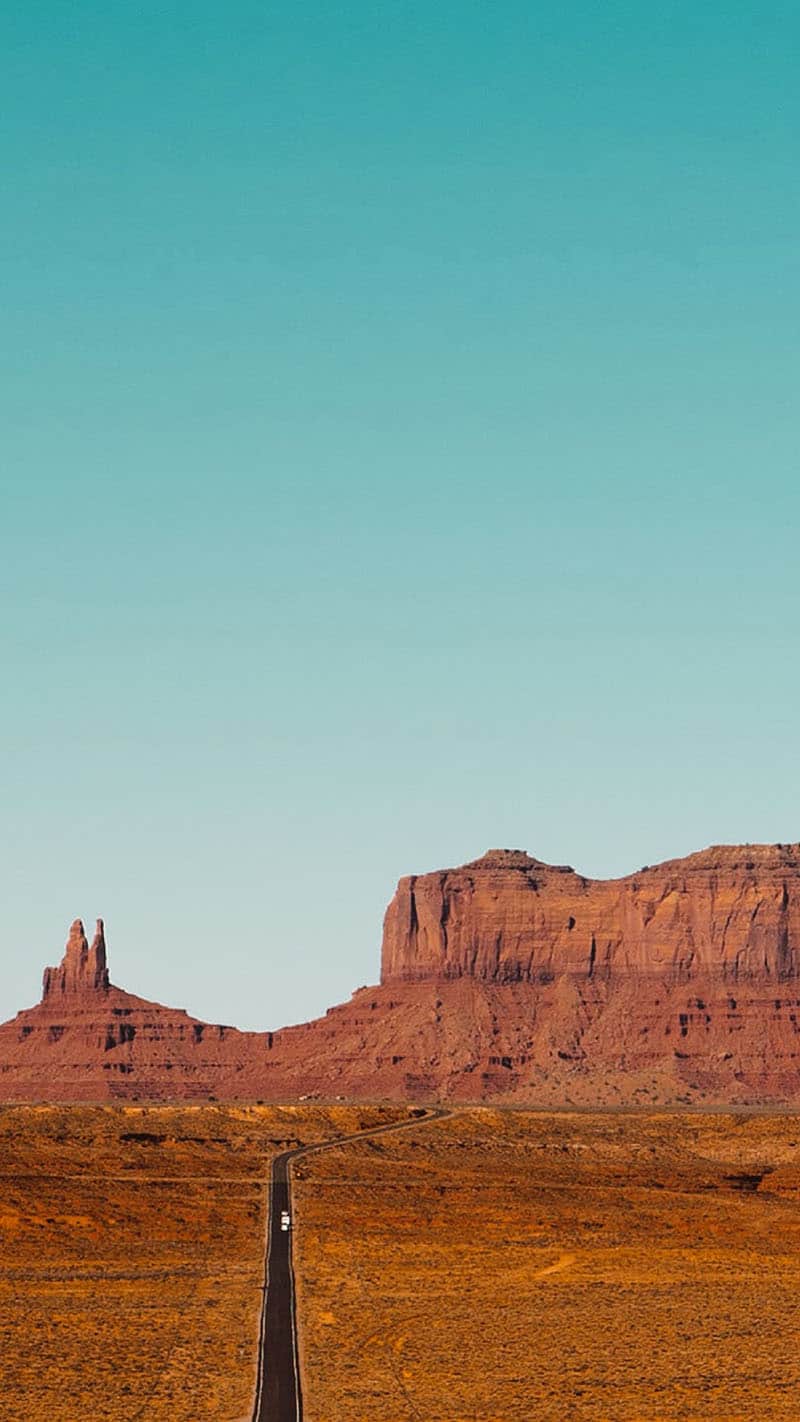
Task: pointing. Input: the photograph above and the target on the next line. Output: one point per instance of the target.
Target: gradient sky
(399, 458)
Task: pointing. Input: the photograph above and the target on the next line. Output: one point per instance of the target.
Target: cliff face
(728, 914)
(505, 979)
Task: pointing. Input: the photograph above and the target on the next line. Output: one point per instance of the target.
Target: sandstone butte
(504, 979)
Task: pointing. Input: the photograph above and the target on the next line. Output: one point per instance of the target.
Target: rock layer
(505, 979)
(731, 914)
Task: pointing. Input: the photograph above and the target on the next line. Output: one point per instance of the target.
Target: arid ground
(132, 1255)
(495, 1266)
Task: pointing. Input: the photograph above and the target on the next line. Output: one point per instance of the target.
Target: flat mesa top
(745, 858)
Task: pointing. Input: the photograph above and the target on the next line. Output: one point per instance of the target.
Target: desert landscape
(132, 1255)
(513, 1265)
(399, 847)
(504, 979)
(554, 1169)
(496, 1264)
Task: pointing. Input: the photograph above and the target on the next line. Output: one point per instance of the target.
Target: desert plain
(495, 1265)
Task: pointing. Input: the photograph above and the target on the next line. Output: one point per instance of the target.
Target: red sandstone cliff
(731, 914)
(507, 978)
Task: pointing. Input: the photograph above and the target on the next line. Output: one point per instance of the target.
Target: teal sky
(399, 458)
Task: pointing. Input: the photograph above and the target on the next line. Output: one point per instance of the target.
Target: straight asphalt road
(279, 1396)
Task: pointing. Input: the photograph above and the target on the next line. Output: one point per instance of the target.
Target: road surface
(279, 1396)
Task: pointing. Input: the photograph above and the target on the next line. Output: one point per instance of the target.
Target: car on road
(286, 1220)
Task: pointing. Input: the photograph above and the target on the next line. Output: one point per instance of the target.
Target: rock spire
(83, 968)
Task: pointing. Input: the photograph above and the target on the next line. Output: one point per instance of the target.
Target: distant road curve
(279, 1395)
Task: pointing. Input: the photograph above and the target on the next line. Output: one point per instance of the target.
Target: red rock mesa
(506, 978)
(730, 914)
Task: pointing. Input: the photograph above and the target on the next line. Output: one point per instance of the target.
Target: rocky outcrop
(506, 979)
(88, 1040)
(728, 914)
(82, 970)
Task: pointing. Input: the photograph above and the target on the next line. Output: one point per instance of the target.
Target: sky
(398, 459)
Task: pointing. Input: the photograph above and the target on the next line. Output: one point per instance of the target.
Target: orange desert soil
(502, 1266)
(132, 1256)
(495, 1266)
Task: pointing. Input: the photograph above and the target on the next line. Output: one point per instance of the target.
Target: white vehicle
(286, 1220)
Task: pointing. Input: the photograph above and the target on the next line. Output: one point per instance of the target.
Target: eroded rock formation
(83, 969)
(731, 914)
(507, 978)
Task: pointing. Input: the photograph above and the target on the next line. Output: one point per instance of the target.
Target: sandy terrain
(504, 1266)
(496, 1266)
(131, 1256)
